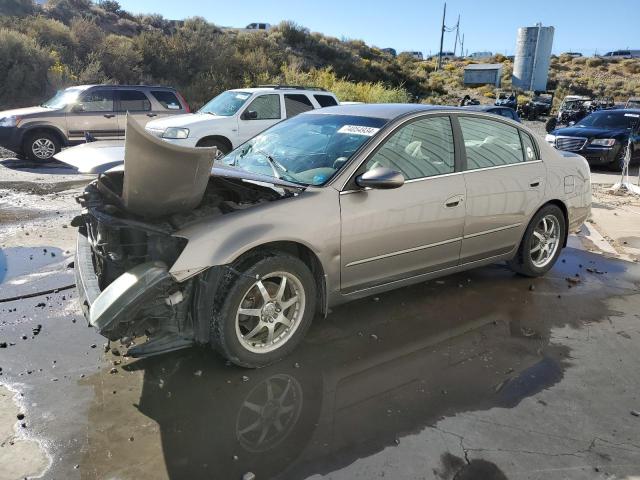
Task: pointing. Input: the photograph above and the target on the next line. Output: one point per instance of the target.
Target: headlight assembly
(603, 142)
(11, 121)
(175, 132)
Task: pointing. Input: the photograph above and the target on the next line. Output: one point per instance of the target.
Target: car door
(134, 103)
(389, 235)
(261, 113)
(93, 113)
(505, 181)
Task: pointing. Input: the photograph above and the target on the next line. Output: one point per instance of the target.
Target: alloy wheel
(270, 312)
(43, 148)
(545, 241)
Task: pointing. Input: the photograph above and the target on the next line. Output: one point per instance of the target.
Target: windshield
(609, 119)
(226, 104)
(62, 98)
(307, 149)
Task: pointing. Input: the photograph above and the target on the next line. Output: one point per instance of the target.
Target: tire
(618, 164)
(528, 260)
(551, 124)
(239, 337)
(41, 146)
(222, 147)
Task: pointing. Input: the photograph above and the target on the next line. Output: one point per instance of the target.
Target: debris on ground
(635, 413)
(573, 280)
(249, 476)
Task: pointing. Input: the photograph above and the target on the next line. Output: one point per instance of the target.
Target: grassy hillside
(68, 42)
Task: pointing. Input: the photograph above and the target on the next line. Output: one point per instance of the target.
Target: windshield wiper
(275, 165)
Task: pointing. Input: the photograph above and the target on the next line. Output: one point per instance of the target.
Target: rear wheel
(541, 244)
(265, 311)
(41, 146)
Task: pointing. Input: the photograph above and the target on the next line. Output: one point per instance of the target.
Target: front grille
(570, 144)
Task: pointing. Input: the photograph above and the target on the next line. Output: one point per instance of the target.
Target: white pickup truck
(235, 116)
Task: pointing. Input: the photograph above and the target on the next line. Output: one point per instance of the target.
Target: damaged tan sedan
(326, 207)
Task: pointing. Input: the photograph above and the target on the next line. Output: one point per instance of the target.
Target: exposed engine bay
(120, 241)
(129, 236)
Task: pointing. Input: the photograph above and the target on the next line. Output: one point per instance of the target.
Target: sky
(585, 26)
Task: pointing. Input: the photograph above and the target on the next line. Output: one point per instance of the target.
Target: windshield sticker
(634, 115)
(358, 130)
(242, 96)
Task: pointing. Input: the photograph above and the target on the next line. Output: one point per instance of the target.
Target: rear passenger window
(133, 101)
(267, 107)
(98, 101)
(489, 143)
(167, 99)
(423, 148)
(530, 151)
(296, 103)
(325, 100)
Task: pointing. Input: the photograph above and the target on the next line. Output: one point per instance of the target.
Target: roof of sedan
(379, 110)
(486, 108)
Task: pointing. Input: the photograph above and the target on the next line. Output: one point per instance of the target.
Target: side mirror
(78, 108)
(250, 115)
(382, 178)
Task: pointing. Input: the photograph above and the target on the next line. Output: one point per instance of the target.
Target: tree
(17, 8)
(24, 65)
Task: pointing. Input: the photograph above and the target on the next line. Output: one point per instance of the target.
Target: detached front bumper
(121, 302)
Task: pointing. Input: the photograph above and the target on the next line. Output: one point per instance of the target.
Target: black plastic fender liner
(124, 297)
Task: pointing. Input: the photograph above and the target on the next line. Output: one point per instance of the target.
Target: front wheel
(223, 149)
(541, 244)
(41, 146)
(264, 311)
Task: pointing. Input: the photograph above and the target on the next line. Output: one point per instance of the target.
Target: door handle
(453, 201)
(152, 114)
(535, 183)
(109, 115)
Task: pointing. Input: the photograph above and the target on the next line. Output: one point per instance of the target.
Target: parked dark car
(602, 137)
(506, 112)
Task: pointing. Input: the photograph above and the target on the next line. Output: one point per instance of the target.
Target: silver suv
(98, 110)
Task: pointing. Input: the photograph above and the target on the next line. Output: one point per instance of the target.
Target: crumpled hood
(591, 132)
(186, 120)
(23, 112)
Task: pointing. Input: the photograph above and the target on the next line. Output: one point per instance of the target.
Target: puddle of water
(25, 270)
(373, 372)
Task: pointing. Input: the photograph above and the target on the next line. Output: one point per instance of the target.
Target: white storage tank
(533, 54)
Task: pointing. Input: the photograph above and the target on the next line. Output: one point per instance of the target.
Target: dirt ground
(482, 375)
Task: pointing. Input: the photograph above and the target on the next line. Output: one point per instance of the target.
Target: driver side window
(423, 148)
(267, 107)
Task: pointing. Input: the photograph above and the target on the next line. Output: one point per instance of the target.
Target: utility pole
(455, 43)
(444, 14)
(462, 46)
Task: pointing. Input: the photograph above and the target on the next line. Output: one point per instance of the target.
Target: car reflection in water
(374, 371)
